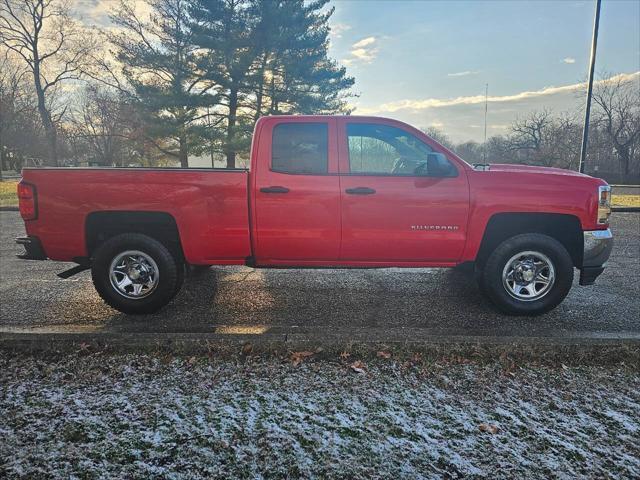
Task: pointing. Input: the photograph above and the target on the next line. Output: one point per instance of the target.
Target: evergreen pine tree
(159, 62)
(267, 57)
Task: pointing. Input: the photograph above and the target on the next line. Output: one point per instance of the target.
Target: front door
(402, 201)
(297, 193)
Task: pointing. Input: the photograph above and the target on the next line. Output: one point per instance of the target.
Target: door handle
(360, 191)
(274, 190)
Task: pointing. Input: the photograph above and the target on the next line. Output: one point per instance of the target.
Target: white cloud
(338, 29)
(463, 74)
(364, 42)
(569, 60)
(363, 51)
(424, 104)
(364, 54)
(97, 12)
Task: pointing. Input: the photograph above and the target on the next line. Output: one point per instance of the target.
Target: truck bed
(210, 207)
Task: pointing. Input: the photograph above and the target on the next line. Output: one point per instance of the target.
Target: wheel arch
(565, 228)
(162, 226)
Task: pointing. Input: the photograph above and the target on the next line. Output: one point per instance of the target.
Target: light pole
(592, 64)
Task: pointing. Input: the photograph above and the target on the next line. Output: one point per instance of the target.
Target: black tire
(492, 274)
(170, 273)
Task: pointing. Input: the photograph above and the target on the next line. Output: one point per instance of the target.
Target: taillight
(604, 204)
(27, 201)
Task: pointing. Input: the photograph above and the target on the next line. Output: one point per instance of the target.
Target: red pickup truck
(323, 191)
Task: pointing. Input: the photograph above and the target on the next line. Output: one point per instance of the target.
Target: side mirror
(439, 166)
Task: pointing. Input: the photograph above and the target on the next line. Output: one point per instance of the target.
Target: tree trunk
(260, 93)
(231, 126)
(45, 116)
(2, 151)
(274, 103)
(184, 159)
(623, 154)
(52, 140)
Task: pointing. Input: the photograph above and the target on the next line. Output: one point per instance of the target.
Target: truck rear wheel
(528, 274)
(136, 274)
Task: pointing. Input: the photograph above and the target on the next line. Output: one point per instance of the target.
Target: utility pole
(486, 103)
(592, 64)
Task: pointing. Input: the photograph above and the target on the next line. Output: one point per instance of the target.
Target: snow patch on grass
(142, 416)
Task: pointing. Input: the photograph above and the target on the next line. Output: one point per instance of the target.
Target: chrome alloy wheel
(528, 276)
(134, 274)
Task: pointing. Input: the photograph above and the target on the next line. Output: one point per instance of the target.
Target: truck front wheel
(528, 274)
(136, 274)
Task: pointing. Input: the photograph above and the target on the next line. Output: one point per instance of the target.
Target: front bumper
(33, 248)
(597, 249)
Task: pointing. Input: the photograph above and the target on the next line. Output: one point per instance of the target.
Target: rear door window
(300, 148)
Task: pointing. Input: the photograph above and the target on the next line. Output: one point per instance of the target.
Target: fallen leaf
(298, 357)
(358, 367)
(509, 369)
(247, 348)
(486, 427)
(84, 347)
(345, 355)
(384, 354)
(191, 361)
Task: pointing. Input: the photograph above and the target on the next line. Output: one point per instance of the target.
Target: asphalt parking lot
(398, 301)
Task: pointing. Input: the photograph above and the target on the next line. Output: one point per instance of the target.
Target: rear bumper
(33, 248)
(597, 249)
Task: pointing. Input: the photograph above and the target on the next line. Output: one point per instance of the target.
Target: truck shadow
(242, 299)
(442, 300)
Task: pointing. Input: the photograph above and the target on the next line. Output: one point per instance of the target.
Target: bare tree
(563, 141)
(11, 78)
(528, 135)
(470, 151)
(20, 130)
(102, 127)
(618, 114)
(542, 138)
(438, 135)
(44, 36)
(498, 150)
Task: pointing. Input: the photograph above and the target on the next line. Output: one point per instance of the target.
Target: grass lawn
(8, 193)
(625, 200)
(157, 416)
(8, 196)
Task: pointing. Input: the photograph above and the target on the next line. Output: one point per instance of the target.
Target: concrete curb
(625, 209)
(366, 343)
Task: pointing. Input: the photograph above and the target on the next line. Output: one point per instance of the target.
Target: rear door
(394, 208)
(297, 193)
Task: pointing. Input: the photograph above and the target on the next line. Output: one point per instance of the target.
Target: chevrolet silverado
(329, 192)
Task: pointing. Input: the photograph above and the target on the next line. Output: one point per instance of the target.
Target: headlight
(604, 204)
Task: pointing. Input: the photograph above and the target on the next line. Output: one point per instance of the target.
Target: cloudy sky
(427, 62)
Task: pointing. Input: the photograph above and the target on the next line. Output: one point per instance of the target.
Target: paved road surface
(241, 299)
